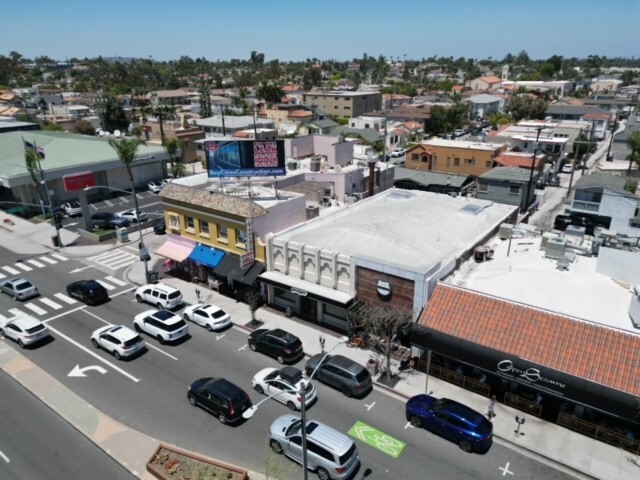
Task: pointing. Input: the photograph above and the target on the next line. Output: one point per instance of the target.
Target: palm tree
(270, 92)
(161, 112)
(171, 145)
(634, 144)
(31, 159)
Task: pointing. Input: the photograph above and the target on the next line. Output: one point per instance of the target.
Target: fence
(599, 433)
(455, 378)
(523, 404)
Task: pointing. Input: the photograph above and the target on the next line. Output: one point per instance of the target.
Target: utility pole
(533, 164)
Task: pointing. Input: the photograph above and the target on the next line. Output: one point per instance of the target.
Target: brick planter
(168, 463)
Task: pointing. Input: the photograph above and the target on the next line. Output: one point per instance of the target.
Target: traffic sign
(377, 439)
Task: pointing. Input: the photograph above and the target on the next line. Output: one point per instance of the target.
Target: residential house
(484, 105)
(320, 127)
(600, 124)
(603, 197)
(606, 85)
(452, 156)
(344, 104)
(527, 161)
(485, 83)
(508, 185)
(562, 111)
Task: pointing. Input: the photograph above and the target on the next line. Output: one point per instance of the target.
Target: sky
(294, 30)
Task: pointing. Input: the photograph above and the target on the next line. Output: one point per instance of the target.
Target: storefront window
(285, 294)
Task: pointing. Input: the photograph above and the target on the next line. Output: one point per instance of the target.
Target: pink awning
(176, 248)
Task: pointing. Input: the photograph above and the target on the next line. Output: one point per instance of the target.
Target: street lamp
(144, 253)
(303, 409)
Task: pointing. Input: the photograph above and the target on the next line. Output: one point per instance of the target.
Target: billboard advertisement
(245, 158)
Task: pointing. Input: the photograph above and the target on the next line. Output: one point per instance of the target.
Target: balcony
(585, 207)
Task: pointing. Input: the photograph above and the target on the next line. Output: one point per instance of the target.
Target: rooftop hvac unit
(312, 211)
(292, 165)
(555, 248)
(505, 231)
(315, 164)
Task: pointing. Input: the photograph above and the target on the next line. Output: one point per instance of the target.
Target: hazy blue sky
(325, 29)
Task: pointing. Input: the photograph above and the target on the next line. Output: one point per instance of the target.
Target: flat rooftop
(440, 142)
(526, 276)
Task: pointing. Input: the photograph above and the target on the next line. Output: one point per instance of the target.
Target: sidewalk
(568, 451)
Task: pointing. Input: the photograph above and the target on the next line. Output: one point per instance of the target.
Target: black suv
(281, 345)
(220, 397)
(88, 291)
(108, 220)
(351, 378)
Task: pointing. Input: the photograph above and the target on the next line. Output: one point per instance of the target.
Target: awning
(226, 266)
(307, 289)
(230, 267)
(206, 255)
(176, 248)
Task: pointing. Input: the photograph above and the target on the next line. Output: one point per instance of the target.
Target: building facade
(344, 104)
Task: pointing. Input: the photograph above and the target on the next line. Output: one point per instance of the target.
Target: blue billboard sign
(245, 158)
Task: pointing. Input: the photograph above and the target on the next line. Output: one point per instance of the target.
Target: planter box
(171, 463)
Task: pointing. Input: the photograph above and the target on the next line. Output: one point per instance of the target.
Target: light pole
(144, 253)
(303, 409)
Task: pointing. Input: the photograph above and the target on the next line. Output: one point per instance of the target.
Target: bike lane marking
(377, 439)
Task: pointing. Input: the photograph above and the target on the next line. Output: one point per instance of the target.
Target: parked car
(207, 315)
(342, 373)
(19, 288)
(88, 291)
(160, 228)
(24, 330)
(451, 420)
(72, 209)
(220, 397)
(277, 343)
(133, 218)
(155, 187)
(118, 340)
(554, 181)
(330, 454)
(163, 325)
(398, 152)
(160, 294)
(285, 385)
(567, 168)
(458, 132)
(108, 220)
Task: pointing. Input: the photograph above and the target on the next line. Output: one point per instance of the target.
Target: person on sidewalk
(491, 411)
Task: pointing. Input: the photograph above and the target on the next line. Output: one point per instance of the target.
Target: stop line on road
(114, 260)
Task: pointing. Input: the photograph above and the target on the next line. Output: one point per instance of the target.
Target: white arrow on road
(76, 270)
(79, 372)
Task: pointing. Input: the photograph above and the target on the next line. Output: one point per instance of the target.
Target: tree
(382, 323)
(84, 128)
(205, 99)
(172, 145)
(634, 144)
(33, 166)
(53, 127)
(126, 150)
(112, 114)
(161, 112)
(270, 92)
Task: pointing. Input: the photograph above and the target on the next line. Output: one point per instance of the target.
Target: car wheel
(94, 342)
(466, 445)
(209, 327)
(15, 296)
(346, 392)
(322, 474)
(96, 226)
(193, 401)
(416, 422)
(292, 406)
(2, 335)
(253, 347)
(116, 355)
(259, 389)
(185, 317)
(137, 327)
(222, 418)
(280, 359)
(159, 306)
(21, 343)
(276, 447)
(160, 339)
(309, 371)
(139, 299)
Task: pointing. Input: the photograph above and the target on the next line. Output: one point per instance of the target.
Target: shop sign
(297, 291)
(384, 289)
(529, 375)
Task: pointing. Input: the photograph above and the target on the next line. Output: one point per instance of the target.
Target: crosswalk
(30, 264)
(115, 259)
(50, 304)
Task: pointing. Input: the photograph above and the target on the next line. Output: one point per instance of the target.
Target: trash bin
(122, 235)
(152, 276)
(55, 239)
(372, 366)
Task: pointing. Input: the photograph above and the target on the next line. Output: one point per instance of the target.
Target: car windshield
(35, 329)
(218, 314)
(163, 315)
(294, 428)
(173, 295)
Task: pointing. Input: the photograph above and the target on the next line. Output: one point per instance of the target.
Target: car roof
(121, 332)
(86, 283)
(224, 387)
(344, 362)
(25, 322)
(165, 316)
(162, 287)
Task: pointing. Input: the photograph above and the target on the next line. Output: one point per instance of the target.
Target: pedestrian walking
(491, 412)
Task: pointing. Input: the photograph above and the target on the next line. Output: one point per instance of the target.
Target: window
(223, 232)
(514, 189)
(456, 162)
(204, 228)
(425, 159)
(469, 161)
(241, 235)
(416, 156)
(634, 222)
(487, 164)
(190, 223)
(483, 187)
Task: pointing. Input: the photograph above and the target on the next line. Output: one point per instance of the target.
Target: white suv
(161, 295)
(163, 325)
(118, 340)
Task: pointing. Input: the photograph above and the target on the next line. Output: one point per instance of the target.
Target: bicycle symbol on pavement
(377, 439)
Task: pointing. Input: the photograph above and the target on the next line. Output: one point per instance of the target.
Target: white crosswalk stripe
(24, 267)
(106, 285)
(16, 312)
(115, 260)
(120, 283)
(64, 298)
(12, 271)
(2, 275)
(3, 318)
(51, 303)
(59, 257)
(35, 263)
(48, 260)
(35, 308)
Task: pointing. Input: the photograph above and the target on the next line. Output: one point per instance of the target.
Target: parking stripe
(64, 298)
(120, 283)
(36, 263)
(35, 308)
(51, 303)
(24, 267)
(105, 285)
(12, 271)
(59, 257)
(50, 261)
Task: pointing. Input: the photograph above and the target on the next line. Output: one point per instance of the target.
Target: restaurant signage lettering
(297, 291)
(530, 375)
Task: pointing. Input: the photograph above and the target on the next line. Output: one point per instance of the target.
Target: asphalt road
(148, 393)
(37, 443)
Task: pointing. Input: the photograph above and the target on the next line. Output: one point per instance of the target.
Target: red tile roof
(586, 350)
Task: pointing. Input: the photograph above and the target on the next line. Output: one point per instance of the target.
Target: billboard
(245, 158)
(78, 181)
